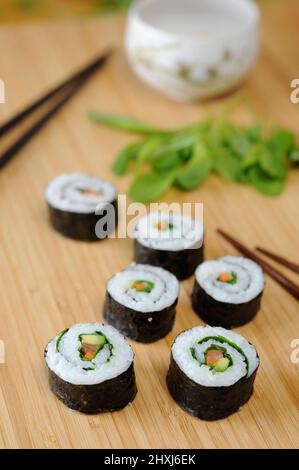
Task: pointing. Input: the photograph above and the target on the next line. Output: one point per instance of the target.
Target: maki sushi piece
(212, 371)
(81, 206)
(141, 302)
(171, 241)
(91, 368)
(228, 291)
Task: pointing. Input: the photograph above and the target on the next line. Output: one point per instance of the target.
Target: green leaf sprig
(184, 157)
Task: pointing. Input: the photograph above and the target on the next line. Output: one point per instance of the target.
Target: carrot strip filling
(213, 356)
(88, 351)
(143, 286)
(162, 225)
(227, 277)
(90, 192)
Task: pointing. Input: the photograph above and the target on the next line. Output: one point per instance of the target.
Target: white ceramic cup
(192, 49)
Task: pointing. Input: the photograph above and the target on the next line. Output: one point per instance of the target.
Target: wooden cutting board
(49, 282)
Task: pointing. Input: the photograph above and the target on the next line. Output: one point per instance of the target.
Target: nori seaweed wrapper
(81, 226)
(144, 327)
(180, 263)
(207, 403)
(110, 395)
(224, 314)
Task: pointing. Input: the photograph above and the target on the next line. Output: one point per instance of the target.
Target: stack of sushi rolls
(141, 302)
(212, 371)
(77, 202)
(171, 241)
(228, 291)
(91, 368)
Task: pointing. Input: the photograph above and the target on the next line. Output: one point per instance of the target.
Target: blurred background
(29, 10)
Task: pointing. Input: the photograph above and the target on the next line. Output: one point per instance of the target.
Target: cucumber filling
(60, 338)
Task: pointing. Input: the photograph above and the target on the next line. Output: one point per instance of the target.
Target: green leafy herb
(197, 169)
(124, 123)
(294, 155)
(254, 132)
(185, 156)
(145, 154)
(282, 142)
(129, 153)
(237, 140)
(226, 164)
(150, 186)
(273, 163)
(265, 183)
(167, 162)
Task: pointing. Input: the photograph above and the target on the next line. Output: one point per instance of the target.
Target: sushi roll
(81, 206)
(228, 291)
(212, 371)
(141, 302)
(171, 241)
(91, 368)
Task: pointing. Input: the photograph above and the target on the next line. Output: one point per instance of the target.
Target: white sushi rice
(65, 193)
(164, 293)
(185, 232)
(250, 279)
(201, 374)
(68, 365)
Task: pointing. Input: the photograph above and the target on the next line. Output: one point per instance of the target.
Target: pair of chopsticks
(60, 95)
(283, 280)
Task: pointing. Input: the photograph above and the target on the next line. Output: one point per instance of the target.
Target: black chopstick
(22, 141)
(88, 69)
(70, 90)
(279, 259)
(285, 282)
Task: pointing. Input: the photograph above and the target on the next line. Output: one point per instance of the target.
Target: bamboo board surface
(49, 282)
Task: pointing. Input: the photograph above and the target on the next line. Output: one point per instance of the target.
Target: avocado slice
(221, 365)
(93, 340)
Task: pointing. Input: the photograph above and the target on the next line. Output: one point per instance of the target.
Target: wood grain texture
(49, 282)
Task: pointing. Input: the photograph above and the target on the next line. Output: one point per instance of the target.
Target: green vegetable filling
(162, 225)
(143, 286)
(228, 277)
(60, 338)
(217, 358)
(222, 339)
(92, 344)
